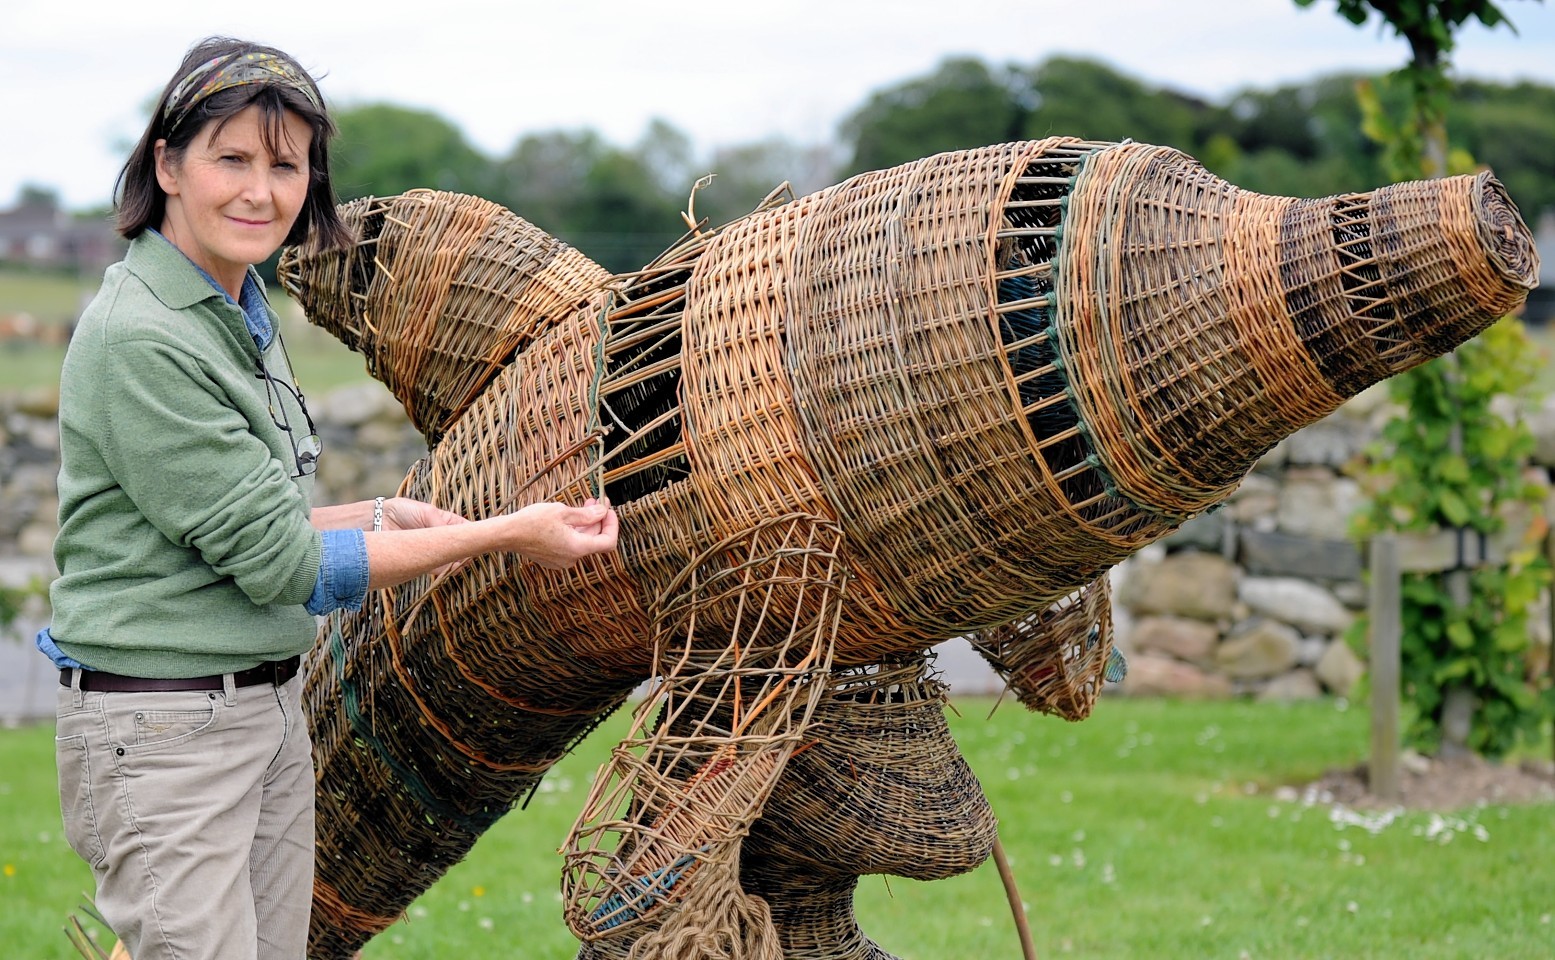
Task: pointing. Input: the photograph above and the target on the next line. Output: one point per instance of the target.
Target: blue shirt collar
(256, 315)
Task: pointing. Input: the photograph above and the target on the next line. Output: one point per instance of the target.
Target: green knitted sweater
(184, 546)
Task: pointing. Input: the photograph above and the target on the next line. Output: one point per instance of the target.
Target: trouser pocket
(75, 798)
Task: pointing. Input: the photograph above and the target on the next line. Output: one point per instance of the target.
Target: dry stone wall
(1251, 599)
(1255, 597)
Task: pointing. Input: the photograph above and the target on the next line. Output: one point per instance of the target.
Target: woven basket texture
(881, 789)
(937, 400)
(439, 292)
(742, 654)
(1054, 660)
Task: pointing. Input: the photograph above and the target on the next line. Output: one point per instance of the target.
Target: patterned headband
(234, 70)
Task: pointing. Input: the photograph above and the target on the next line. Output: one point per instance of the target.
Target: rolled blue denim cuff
(342, 583)
(46, 645)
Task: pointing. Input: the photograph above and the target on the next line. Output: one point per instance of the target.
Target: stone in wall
(1258, 649)
(1296, 685)
(376, 443)
(1189, 583)
(1207, 532)
(1331, 442)
(1272, 553)
(1156, 675)
(1340, 669)
(1317, 503)
(1179, 637)
(1307, 606)
(1256, 502)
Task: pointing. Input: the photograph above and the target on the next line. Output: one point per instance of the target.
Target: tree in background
(614, 204)
(385, 149)
(1074, 97)
(1299, 140)
(1450, 461)
(963, 103)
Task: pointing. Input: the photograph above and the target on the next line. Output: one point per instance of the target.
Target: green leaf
(1461, 635)
(1453, 508)
(1453, 670)
(1511, 636)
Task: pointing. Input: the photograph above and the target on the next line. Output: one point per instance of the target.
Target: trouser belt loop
(77, 698)
(229, 688)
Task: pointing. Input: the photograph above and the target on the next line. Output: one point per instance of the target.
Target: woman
(191, 562)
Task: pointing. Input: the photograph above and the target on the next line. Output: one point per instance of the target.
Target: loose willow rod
(1027, 948)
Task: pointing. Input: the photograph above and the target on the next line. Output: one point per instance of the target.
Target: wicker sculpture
(882, 789)
(934, 400)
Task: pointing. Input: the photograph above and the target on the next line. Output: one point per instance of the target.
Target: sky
(76, 76)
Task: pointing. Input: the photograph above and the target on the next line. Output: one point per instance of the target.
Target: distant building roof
(38, 232)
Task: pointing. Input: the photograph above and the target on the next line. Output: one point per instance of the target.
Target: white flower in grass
(485, 923)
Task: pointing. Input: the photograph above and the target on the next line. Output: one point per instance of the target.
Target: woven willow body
(935, 400)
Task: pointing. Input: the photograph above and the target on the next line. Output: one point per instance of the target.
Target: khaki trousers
(195, 811)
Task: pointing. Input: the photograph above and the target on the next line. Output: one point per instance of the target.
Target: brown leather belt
(274, 671)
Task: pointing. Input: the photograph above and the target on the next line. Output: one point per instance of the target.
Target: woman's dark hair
(140, 200)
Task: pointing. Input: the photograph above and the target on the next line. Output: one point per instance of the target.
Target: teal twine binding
(596, 470)
(363, 730)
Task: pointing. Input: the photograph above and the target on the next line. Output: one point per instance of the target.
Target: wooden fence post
(1386, 636)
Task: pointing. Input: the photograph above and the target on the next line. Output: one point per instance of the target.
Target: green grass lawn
(1155, 829)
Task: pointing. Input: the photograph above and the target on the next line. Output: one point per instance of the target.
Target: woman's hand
(556, 536)
(403, 513)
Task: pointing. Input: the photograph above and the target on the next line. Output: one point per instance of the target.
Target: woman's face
(230, 201)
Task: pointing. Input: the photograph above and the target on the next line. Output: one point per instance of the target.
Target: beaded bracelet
(377, 514)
